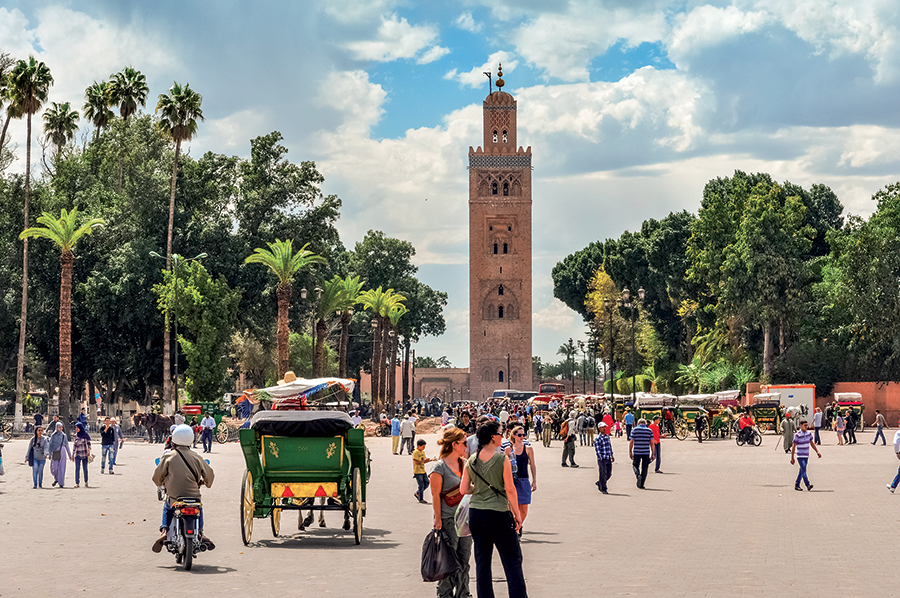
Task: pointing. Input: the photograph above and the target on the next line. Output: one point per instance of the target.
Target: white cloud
(556, 316)
(466, 22)
(360, 101)
(354, 11)
(395, 39)
(432, 54)
(707, 26)
(475, 78)
(233, 131)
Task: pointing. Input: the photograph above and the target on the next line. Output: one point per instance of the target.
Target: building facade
(499, 253)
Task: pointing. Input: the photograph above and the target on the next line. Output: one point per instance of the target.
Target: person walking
(640, 451)
(208, 425)
(787, 432)
(850, 427)
(802, 442)
(839, 427)
(406, 435)
(107, 446)
(700, 424)
(120, 439)
(494, 516)
(580, 425)
(817, 425)
(654, 427)
(605, 458)
(59, 453)
(893, 485)
(446, 495)
(38, 449)
(628, 420)
(524, 456)
(81, 452)
(881, 425)
(590, 427)
(419, 460)
(395, 434)
(569, 444)
(412, 420)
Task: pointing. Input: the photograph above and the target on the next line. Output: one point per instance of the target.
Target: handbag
(438, 557)
(462, 517)
(56, 455)
(453, 496)
(91, 458)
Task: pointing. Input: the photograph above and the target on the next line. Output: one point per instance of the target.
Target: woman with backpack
(38, 449)
(494, 518)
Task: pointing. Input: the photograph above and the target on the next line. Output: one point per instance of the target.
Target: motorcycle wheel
(739, 440)
(757, 439)
(188, 553)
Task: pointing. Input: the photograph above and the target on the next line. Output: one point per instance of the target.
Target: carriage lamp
(374, 324)
(641, 293)
(626, 295)
(318, 293)
(303, 293)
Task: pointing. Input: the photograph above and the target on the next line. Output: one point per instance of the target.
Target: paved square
(722, 520)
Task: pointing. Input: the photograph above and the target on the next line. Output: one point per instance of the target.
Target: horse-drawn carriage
(852, 401)
(767, 412)
(298, 458)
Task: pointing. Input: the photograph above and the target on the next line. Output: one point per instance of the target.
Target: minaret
(499, 253)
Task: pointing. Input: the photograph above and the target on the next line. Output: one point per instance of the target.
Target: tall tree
(180, 110)
(397, 312)
(334, 302)
(127, 89)
(284, 264)
(96, 106)
(352, 291)
(393, 301)
(28, 85)
(6, 64)
(65, 232)
(60, 124)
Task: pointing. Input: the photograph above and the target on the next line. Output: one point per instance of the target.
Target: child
(618, 426)
(419, 460)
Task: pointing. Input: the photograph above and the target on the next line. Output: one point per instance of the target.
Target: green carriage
(767, 411)
(852, 401)
(223, 432)
(309, 460)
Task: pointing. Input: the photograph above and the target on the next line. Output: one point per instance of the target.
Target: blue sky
(629, 106)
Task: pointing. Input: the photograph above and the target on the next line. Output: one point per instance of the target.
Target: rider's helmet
(183, 435)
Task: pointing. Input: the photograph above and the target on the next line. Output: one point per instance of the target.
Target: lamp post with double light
(176, 260)
(583, 366)
(627, 302)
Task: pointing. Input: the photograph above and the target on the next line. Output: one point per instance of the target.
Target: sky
(630, 106)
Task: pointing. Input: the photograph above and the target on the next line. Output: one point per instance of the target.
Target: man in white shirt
(893, 485)
(208, 425)
(817, 423)
(179, 418)
(412, 420)
(503, 417)
(356, 419)
(406, 435)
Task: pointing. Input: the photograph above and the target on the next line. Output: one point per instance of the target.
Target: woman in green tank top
(494, 518)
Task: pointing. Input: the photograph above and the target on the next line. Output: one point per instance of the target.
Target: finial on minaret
(500, 82)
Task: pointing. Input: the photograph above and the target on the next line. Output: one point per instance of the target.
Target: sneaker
(809, 488)
(102, 471)
(798, 488)
(54, 482)
(322, 523)
(110, 472)
(76, 485)
(604, 492)
(34, 487)
(891, 488)
(564, 465)
(575, 465)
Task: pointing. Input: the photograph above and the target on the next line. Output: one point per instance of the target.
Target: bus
(552, 389)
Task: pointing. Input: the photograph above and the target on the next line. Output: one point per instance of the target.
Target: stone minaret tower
(499, 253)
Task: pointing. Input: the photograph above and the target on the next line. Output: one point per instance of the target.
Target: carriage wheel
(247, 507)
(356, 507)
(276, 517)
(222, 433)
(681, 431)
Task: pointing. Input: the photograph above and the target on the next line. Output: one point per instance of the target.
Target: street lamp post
(608, 305)
(570, 356)
(583, 367)
(508, 375)
(627, 302)
(312, 362)
(373, 390)
(175, 259)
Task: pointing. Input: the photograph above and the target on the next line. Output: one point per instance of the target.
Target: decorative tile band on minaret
(500, 246)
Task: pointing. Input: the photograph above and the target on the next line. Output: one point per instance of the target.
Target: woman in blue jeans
(38, 448)
(494, 518)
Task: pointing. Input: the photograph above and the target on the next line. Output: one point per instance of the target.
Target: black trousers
(490, 529)
(605, 467)
(640, 464)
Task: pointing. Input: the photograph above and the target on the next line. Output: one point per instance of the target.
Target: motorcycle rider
(746, 424)
(181, 471)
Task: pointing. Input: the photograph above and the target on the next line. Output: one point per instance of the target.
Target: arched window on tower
(495, 249)
(494, 188)
(505, 248)
(500, 312)
(505, 188)
(495, 136)
(514, 376)
(500, 290)
(500, 376)
(504, 136)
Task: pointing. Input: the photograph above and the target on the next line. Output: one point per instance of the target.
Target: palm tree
(352, 291)
(284, 263)
(6, 64)
(65, 232)
(378, 302)
(27, 87)
(60, 125)
(180, 111)
(331, 301)
(689, 376)
(96, 106)
(396, 312)
(392, 300)
(127, 89)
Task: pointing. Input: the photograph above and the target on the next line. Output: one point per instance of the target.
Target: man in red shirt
(746, 423)
(654, 427)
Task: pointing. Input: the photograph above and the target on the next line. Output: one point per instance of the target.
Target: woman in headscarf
(59, 452)
(81, 450)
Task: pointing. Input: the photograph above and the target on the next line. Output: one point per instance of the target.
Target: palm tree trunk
(282, 333)
(319, 361)
(382, 377)
(20, 367)
(376, 368)
(3, 133)
(66, 261)
(392, 368)
(167, 339)
(768, 349)
(345, 343)
(406, 395)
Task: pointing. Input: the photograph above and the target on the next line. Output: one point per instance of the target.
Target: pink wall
(875, 395)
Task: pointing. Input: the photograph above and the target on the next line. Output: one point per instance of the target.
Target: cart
(223, 432)
(315, 460)
(766, 411)
(852, 401)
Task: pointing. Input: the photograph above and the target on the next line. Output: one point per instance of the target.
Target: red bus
(552, 389)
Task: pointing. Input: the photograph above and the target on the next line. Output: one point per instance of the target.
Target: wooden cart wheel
(247, 507)
(357, 508)
(276, 517)
(681, 430)
(222, 433)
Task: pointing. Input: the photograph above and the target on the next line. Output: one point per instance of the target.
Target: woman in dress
(36, 456)
(839, 426)
(524, 456)
(59, 452)
(494, 518)
(81, 451)
(446, 493)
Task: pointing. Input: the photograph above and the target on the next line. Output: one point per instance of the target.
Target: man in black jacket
(108, 446)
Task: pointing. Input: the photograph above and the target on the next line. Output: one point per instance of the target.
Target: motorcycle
(183, 539)
(749, 435)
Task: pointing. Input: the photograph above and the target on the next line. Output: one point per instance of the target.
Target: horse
(157, 425)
